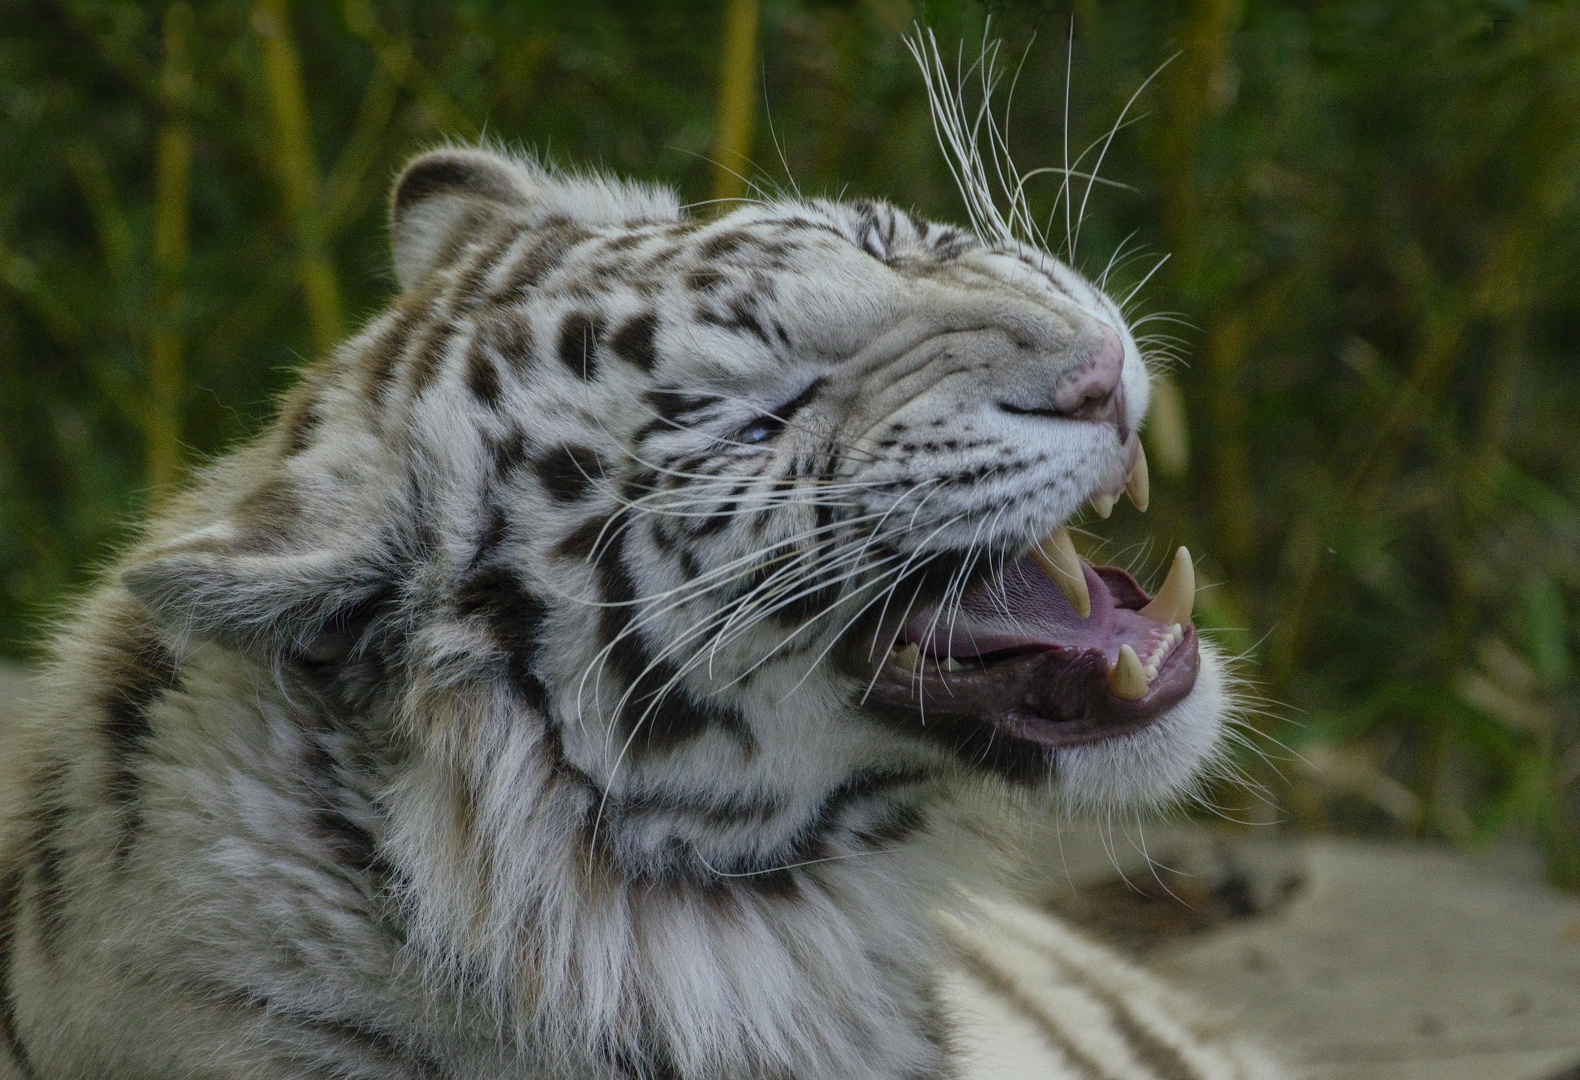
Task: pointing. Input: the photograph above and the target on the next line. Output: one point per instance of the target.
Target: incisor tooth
(1177, 598)
(1056, 555)
(909, 657)
(1103, 504)
(1127, 678)
(1138, 487)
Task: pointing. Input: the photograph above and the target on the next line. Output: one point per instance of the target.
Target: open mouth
(1055, 652)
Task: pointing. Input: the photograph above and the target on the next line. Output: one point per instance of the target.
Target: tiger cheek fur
(503, 709)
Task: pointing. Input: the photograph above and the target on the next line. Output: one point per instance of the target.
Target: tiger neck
(612, 926)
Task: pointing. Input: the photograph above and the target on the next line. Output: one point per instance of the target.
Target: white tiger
(620, 659)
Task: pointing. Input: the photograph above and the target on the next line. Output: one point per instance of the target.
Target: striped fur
(500, 711)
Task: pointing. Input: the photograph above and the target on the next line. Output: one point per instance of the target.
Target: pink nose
(1093, 391)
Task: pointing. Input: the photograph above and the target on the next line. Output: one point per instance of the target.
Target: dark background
(1369, 426)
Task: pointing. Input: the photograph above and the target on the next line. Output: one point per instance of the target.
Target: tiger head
(719, 510)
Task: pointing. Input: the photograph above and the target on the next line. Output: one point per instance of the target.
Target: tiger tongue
(1034, 607)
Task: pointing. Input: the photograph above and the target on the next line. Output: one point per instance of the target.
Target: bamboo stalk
(298, 171)
(172, 186)
(732, 149)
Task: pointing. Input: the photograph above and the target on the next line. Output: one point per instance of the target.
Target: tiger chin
(617, 660)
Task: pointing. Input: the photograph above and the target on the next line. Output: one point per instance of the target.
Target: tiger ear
(445, 197)
(440, 198)
(259, 588)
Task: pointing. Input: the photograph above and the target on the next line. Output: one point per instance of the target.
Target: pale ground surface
(1357, 961)
(1385, 962)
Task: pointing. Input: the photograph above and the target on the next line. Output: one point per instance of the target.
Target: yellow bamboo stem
(298, 170)
(732, 150)
(172, 191)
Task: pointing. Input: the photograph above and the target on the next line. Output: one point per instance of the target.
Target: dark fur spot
(482, 377)
(515, 622)
(567, 472)
(634, 342)
(579, 338)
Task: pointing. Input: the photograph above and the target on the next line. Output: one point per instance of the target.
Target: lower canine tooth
(1103, 504)
(951, 664)
(1177, 598)
(909, 657)
(1055, 553)
(1127, 678)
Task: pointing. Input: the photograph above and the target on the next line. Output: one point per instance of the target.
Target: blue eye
(760, 430)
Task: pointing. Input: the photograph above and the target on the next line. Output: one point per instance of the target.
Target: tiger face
(733, 509)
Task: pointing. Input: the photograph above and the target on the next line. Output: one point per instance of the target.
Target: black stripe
(1162, 1059)
(515, 621)
(537, 262)
(1055, 1036)
(580, 542)
(482, 377)
(667, 718)
(778, 875)
(10, 908)
(787, 411)
(430, 354)
(384, 1050)
(673, 405)
(740, 318)
(145, 670)
(470, 291)
(49, 864)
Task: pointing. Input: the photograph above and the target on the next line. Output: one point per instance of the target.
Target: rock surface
(1358, 961)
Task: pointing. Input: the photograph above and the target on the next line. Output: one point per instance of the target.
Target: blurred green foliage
(1375, 253)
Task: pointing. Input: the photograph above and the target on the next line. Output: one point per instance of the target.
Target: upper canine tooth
(1127, 678)
(1177, 598)
(910, 657)
(1137, 485)
(1103, 504)
(1056, 555)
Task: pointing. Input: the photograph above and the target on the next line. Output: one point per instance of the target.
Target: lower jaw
(1012, 715)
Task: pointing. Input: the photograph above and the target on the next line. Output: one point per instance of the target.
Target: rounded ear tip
(455, 171)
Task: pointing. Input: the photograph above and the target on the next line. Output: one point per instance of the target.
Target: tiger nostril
(1094, 390)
